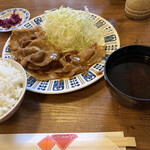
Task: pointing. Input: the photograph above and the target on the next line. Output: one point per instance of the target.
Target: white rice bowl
(12, 87)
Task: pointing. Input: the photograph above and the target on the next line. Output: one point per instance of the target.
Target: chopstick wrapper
(59, 141)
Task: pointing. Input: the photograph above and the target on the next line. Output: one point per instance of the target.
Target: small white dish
(15, 107)
(23, 13)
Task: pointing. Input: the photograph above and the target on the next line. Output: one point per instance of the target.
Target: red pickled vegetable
(9, 22)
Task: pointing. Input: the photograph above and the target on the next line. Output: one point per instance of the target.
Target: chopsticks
(124, 141)
(67, 141)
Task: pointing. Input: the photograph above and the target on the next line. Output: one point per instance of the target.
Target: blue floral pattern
(88, 76)
(100, 23)
(58, 85)
(99, 67)
(30, 81)
(43, 85)
(74, 82)
(38, 20)
(28, 25)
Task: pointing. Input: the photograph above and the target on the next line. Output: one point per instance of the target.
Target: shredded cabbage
(68, 29)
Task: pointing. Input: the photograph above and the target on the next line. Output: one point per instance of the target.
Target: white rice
(11, 86)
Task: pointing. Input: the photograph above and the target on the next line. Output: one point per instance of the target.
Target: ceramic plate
(23, 13)
(82, 80)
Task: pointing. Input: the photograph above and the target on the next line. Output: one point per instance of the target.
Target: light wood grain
(124, 141)
(91, 109)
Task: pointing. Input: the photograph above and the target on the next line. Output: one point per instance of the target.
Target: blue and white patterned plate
(23, 13)
(82, 80)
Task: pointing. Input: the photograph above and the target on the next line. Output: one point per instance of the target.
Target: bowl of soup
(127, 75)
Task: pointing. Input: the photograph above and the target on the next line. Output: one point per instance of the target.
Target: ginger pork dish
(66, 44)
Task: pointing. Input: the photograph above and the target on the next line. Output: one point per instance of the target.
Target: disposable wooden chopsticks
(124, 141)
(67, 141)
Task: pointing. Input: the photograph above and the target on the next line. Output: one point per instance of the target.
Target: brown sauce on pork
(44, 61)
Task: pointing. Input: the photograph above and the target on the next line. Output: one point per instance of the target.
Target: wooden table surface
(91, 109)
